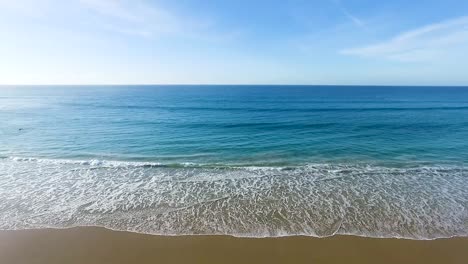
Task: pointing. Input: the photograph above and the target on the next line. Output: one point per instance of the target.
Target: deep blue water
(313, 160)
(237, 124)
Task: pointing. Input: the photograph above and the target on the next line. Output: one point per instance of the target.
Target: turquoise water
(238, 160)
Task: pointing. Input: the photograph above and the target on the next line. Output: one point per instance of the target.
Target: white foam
(92, 162)
(315, 200)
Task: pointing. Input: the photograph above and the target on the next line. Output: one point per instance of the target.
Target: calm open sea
(239, 160)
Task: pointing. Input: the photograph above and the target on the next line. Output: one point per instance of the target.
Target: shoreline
(101, 245)
(231, 235)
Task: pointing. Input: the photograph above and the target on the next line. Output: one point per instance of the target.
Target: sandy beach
(99, 245)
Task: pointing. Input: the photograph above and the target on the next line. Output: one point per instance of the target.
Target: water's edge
(232, 235)
(317, 200)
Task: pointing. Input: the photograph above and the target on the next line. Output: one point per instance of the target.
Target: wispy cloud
(131, 17)
(28, 8)
(356, 21)
(141, 18)
(431, 42)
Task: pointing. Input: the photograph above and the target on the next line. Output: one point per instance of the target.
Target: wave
(143, 164)
(91, 162)
(276, 109)
(419, 202)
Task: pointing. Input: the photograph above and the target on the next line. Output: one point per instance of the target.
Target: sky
(355, 42)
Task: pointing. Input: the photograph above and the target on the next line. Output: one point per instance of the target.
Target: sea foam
(419, 202)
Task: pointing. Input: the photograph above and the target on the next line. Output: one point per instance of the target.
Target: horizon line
(245, 84)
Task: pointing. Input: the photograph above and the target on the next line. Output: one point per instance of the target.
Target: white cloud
(29, 8)
(135, 17)
(429, 43)
(130, 17)
(356, 21)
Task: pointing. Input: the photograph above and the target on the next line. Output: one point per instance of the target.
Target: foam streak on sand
(314, 200)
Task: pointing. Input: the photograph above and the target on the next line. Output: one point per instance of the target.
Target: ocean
(249, 161)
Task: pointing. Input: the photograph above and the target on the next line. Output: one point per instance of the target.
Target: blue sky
(234, 42)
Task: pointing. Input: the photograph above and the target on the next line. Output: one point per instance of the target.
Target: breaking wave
(418, 202)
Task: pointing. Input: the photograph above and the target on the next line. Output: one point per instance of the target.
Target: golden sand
(97, 245)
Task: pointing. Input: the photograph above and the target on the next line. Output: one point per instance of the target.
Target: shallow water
(239, 160)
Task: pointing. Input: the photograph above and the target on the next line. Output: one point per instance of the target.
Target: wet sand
(97, 245)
